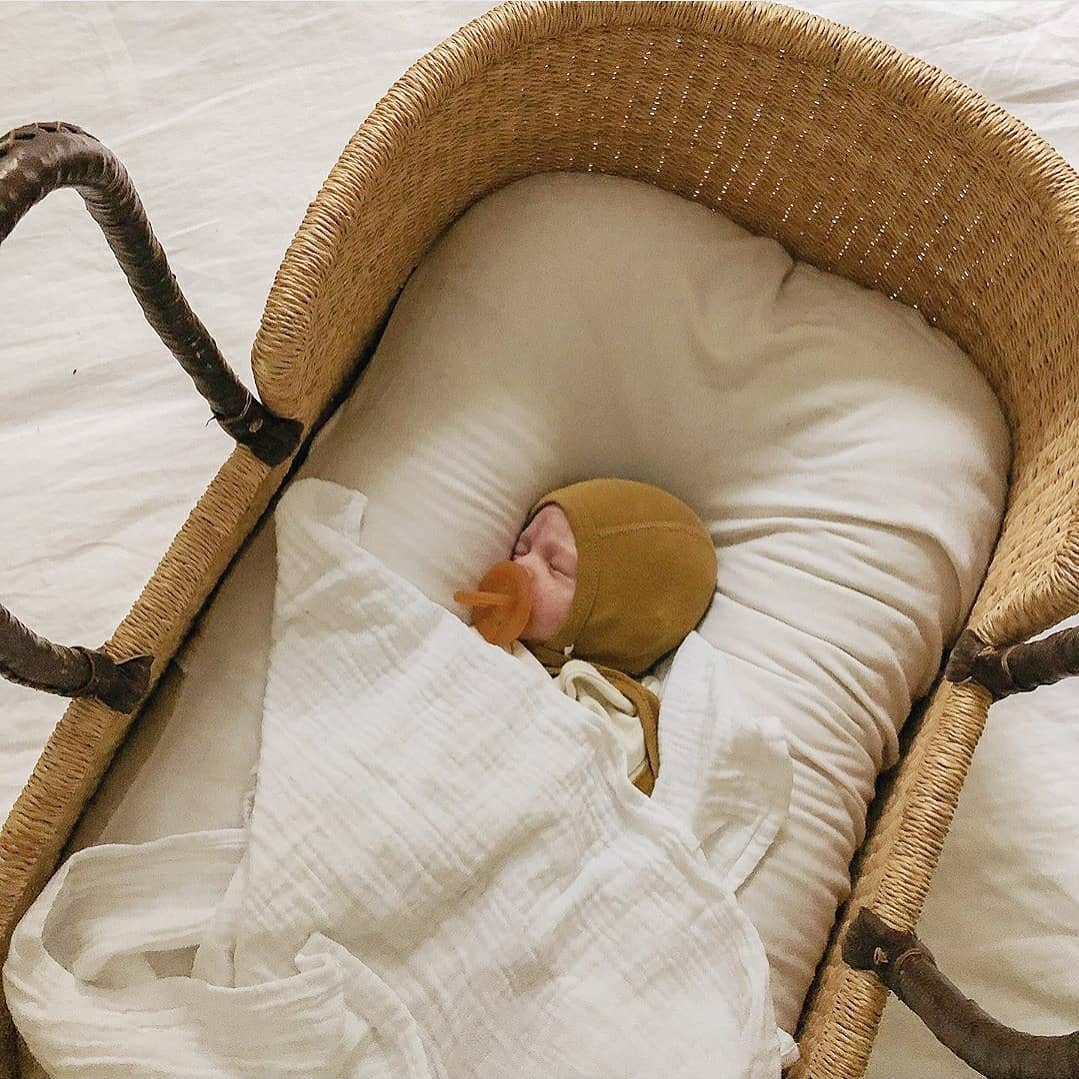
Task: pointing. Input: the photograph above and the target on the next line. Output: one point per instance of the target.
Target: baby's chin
(530, 635)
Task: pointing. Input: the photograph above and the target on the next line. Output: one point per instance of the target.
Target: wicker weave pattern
(857, 158)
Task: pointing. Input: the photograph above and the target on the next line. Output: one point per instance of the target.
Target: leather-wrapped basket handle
(38, 159)
(32, 661)
(907, 967)
(1014, 668)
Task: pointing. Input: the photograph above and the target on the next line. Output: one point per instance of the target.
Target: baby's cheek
(545, 605)
(549, 609)
(562, 602)
(558, 600)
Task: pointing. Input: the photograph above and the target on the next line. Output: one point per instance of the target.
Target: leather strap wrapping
(1014, 668)
(908, 969)
(40, 158)
(35, 160)
(32, 661)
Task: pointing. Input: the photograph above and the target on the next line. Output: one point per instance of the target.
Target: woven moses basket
(858, 159)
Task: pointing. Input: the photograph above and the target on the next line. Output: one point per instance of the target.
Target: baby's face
(547, 549)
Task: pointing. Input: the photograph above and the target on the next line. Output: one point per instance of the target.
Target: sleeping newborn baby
(620, 572)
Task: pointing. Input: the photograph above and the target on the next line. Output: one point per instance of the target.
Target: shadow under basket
(857, 158)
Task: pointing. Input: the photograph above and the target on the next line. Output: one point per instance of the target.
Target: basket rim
(497, 34)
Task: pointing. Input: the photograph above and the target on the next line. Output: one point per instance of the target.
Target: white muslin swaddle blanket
(446, 874)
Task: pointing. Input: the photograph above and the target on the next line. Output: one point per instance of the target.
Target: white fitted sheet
(228, 118)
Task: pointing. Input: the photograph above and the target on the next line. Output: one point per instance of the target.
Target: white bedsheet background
(228, 118)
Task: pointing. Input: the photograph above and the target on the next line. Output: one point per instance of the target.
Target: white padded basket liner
(849, 460)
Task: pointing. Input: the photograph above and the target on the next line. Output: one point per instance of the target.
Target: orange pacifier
(502, 603)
